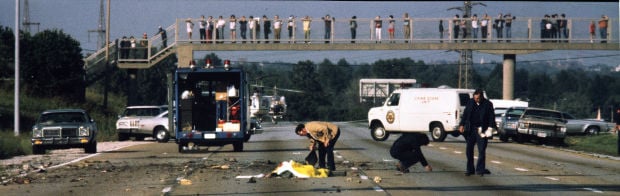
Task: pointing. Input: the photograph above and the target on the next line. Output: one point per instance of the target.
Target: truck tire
(123, 136)
(162, 135)
(181, 147)
(238, 146)
(246, 137)
(91, 148)
(438, 133)
(379, 133)
(38, 150)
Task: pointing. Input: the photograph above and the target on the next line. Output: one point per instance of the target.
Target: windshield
(130, 112)
(62, 117)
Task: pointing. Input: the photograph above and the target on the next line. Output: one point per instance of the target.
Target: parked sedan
(576, 126)
(64, 128)
(524, 123)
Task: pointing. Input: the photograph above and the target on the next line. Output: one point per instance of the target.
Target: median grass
(602, 144)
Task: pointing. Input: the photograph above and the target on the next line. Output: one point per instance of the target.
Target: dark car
(62, 129)
(524, 123)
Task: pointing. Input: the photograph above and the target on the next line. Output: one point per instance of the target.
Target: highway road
(149, 168)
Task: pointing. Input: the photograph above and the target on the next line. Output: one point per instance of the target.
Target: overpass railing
(423, 30)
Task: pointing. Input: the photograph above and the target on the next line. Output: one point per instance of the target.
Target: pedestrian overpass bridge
(528, 35)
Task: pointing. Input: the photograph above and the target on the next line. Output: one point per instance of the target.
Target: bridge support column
(185, 54)
(508, 77)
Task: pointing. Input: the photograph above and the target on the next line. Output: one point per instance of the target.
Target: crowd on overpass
(257, 29)
(553, 28)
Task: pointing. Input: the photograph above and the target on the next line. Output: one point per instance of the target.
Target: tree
(7, 51)
(307, 105)
(54, 67)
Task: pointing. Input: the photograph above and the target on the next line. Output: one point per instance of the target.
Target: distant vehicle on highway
(143, 121)
(576, 126)
(524, 123)
(62, 129)
(501, 106)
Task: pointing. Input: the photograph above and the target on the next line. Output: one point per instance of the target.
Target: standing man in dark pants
(478, 117)
(408, 152)
(326, 135)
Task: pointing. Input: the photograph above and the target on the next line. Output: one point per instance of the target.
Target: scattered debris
(377, 179)
(185, 182)
(252, 180)
(299, 170)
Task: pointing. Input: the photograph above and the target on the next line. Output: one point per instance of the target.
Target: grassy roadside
(601, 144)
(30, 107)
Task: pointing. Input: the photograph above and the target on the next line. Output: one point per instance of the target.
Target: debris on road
(300, 170)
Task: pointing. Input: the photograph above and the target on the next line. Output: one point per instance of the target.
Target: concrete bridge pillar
(509, 76)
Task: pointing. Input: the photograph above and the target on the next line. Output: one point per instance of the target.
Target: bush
(13, 146)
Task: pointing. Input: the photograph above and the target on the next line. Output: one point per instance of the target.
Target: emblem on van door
(390, 117)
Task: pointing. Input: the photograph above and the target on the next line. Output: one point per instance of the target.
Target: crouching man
(326, 135)
(408, 152)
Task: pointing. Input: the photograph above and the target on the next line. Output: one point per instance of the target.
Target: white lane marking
(378, 189)
(521, 169)
(552, 178)
(387, 160)
(340, 157)
(431, 145)
(443, 148)
(166, 190)
(296, 152)
(86, 157)
(475, 157)
(363, 177)
(458, 152)
(593, 190)
(496, 162)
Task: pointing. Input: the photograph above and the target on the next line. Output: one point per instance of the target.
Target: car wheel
(38, 150)
(592, 130)
(379, 133)
(238, 146)
(162, 135)
(503, 137)
(91, 148)
(123, 136)
(519, 138)
(438, 133)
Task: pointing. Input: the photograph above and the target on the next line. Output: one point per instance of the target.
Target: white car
(144, 121)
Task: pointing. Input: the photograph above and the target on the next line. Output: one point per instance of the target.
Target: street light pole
(16, 102)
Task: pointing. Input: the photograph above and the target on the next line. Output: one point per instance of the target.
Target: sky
(134, 17)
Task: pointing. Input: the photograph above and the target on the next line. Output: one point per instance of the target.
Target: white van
(435, 110)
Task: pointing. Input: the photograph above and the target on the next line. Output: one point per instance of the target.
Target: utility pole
(27, 23)
(100, 31)
(466, 58)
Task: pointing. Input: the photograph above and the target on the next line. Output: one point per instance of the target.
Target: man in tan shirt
(323, 134)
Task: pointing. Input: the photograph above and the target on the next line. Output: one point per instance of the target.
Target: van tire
(438, 133)
(379, 133)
